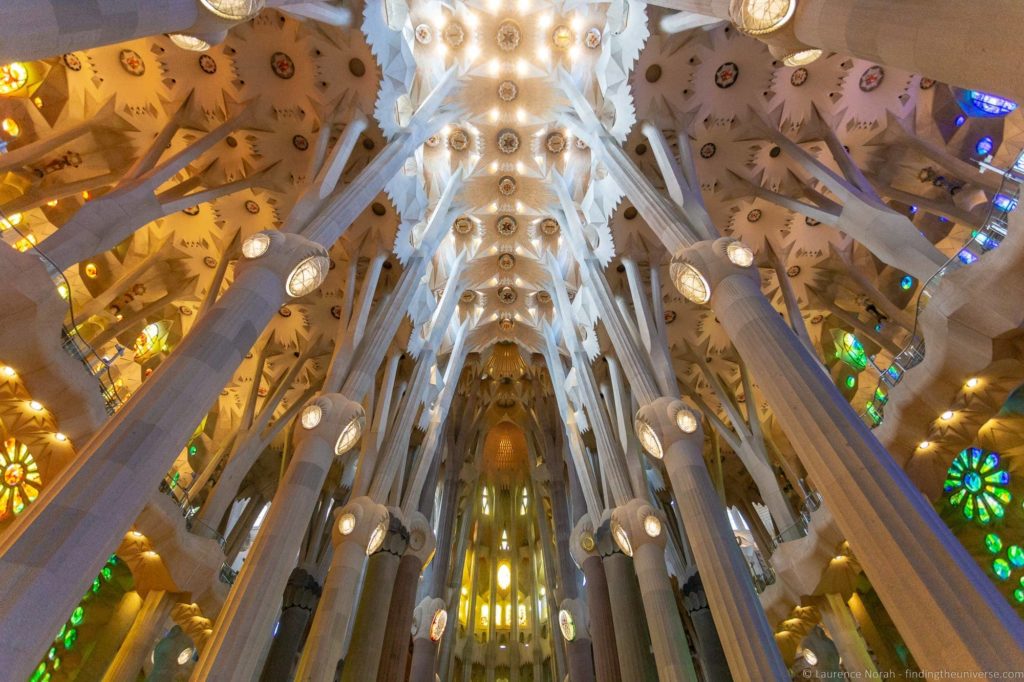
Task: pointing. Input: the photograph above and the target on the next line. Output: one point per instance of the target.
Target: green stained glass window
(52, 653)
(192, 450)
(106, 573)
(976, 485)
(1001, 568)
(1018, 594)
(71, 636)
(37, 676)
(881, 396)
(993, 543)
(96, 585)
(60, 635)
(1016, 556)
(851, 381)
(850, 350)
(77, 615)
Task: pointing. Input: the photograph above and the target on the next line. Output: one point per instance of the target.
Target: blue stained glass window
(906, 283)
(960, 120)
(984, 146)
(991, 105)
(1005, 203)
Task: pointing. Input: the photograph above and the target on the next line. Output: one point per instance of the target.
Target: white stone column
(670, 431)
(918, 567)
(359, 529)
(51, 551)
(328, 426)
(639, 530)
(141, 638)
(429, 622)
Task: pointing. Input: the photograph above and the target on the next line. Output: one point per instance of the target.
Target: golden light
(13, 76)
(311, 416)
(947, 415)
(377, 537)
(622, 539)
(648, 439)
(91, 270)
(504, 575)
(686, 421)
(349, 435)
(10, 221)
(35, 405)
(972, 382)
(8, 371)
(924, 445)
(11, 127)
(802, 57)
(652, 525)
(52, 202)
(347, 523)
(61, 437)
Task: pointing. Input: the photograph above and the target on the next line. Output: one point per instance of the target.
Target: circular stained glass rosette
(20, 482)
(977, 485)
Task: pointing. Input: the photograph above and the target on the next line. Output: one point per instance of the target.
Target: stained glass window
(990, 105)
(21, 481)
(850, 350)
(984, 146)
(976, 484)
(13, 77)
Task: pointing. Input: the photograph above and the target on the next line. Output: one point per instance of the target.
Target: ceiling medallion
(927, 83)
(209, 261)
(708, 150)
(185, 310)
(580, 143)
(454, 34)
(508, 36)
(468, 296)
(561, 37)
(506, 261)
(670, 316)
(282, 65)
(336, 312)
(506, 226)
(811, 222)
(423, 34)
(754, 215)
(72, 61)
(798, 77)
(506, 323)
(284, 311)
(816, 319)
(252, 207)
(543, 297)
(592, 38)
(793, 271)
(191, 210)
(507, 185)
(549, 227)
(433, 140)
(458, 140)
(555, 143)
(872, 78)
(507, 91)
(132, 62)
(726, 75)
(300, 142)
(507, 295)
(508, 141)
(208, 64)
(462, 225)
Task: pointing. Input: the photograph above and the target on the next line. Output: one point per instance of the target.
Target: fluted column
(632, 641)
(428, 627)
(913, 560)
(639, 530)
(668, 429)
(329, 425)
(709, 646)
(394, 650)
(359, 529)
(363, 659)
(602, 626)
(141, 638)
(300, 597)
(81, 517)
(842, 629)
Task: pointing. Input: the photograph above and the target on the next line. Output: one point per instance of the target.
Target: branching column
(330, 425)
(918, 567)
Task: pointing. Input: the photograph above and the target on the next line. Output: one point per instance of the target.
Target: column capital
(637, 523)
(662, 423)
(363, 522)
(429, 619)
(422, 542)
(697, 270)
(300, 263)
(582, 541)
(334, 419)
(572, 620)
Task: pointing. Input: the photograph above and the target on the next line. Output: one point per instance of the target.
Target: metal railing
(170, 487)
(982, 240)
(810, 504)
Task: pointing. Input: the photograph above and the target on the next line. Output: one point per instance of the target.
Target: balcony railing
(982, 240)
